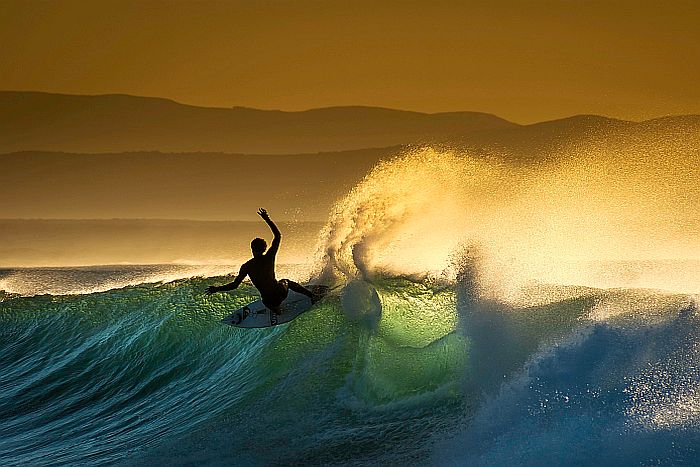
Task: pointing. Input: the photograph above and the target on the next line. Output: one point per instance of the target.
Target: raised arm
(233, 285)
(275, 231)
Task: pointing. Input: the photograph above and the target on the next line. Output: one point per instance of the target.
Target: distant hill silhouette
(201, 185)
(121, 123)
(550, 140)
(100, 173)
(184, 185)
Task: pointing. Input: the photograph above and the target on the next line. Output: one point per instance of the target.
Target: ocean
(485, 315)
(397, 371)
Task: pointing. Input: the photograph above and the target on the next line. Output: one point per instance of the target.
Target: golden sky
(523, 60)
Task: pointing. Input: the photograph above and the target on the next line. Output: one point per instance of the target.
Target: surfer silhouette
(261, 269)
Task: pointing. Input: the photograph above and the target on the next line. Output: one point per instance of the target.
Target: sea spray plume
(495, 346)
(604, 393)
(407, 215)
(576, 219)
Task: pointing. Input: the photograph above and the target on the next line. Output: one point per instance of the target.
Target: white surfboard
(257, 315)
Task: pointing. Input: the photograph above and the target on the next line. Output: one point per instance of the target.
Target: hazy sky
(523, 60)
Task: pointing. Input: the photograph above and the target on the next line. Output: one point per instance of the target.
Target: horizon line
(348, 106)
(337, 106)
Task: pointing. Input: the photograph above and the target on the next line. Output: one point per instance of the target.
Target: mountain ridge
(121, 123)
(236, 107)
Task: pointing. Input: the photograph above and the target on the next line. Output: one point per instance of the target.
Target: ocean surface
(396, 371)
(485, 314)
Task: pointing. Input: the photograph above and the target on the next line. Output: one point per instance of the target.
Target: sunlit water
(487, 314)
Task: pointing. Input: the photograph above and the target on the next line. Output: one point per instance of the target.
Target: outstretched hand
(212, 289)
(263, 213)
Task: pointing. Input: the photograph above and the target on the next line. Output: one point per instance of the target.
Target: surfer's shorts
(275, 300)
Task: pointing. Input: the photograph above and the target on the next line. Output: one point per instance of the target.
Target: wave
(147, 372)
(471, 329)
(90, 279)
(609, 393)
(600, 217)
(94, 378)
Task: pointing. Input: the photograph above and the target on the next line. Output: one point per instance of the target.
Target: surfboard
(257, 315)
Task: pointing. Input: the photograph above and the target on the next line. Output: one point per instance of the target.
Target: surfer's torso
(261, 270)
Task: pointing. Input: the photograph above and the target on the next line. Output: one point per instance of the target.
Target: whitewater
(490, 313)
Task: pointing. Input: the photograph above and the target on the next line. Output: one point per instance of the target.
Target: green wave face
(120, 369)
(379, 373)
(414, 348)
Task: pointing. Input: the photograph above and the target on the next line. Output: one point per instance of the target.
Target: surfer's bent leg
(274, 298)
(299, 288)
(273, 305)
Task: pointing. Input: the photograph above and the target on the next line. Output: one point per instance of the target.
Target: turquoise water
(113, 376)
(420, 373)
(453, 341)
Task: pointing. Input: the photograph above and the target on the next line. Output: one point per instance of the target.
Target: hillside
(184, 185)
(120, 123)
(204, 185)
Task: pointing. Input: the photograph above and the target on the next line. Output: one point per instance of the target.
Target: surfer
(261, 269)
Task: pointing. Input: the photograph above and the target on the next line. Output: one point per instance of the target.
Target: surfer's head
(258, 245)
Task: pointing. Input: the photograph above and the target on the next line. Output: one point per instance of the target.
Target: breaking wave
(491, 314)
